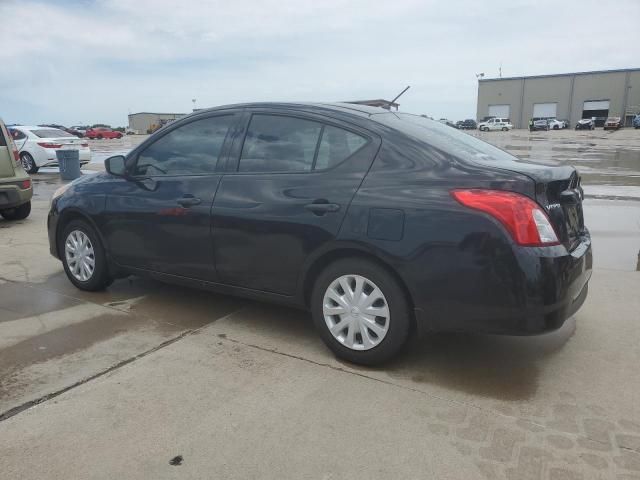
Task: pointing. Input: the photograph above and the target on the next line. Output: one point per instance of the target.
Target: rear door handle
(320, 208)
(188, 201)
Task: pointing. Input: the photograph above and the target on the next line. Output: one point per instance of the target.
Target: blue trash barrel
(69, 164)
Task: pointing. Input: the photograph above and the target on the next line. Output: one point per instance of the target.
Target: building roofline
(620, 70)
(155, 113)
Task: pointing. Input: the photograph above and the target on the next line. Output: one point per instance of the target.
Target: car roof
(33, 127)
(341, 107)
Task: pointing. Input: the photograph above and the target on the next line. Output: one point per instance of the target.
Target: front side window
(192, 149)
(276, 143)
(337, 145)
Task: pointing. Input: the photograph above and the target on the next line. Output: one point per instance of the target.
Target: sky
(95, 61)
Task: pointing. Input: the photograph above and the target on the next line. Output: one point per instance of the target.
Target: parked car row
(93, 133)
(36, 146)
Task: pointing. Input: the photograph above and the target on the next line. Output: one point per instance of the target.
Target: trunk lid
(558, 191)
(65, 141)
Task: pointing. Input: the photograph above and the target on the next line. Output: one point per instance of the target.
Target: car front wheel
(360, 311)
(83, 257)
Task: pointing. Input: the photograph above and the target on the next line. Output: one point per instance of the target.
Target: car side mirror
(116, 165)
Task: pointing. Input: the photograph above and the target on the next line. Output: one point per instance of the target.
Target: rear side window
(51, 133)
(337, 145)
(192, 149)
(3, 141)
(276, 143)
(17, 134)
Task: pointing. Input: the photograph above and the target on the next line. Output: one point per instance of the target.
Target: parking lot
(120, 383)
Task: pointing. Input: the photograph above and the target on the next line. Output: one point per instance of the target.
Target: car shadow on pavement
(500, 367)
(495, 366)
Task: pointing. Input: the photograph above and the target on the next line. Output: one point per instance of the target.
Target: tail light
(49, 145)
(527, 223)
(25, 184)
(16, 156)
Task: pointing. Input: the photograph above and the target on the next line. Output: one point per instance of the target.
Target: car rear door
(158, 218)
(289, 182)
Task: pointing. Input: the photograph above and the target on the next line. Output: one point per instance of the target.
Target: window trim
(324, 121)
(131, 164)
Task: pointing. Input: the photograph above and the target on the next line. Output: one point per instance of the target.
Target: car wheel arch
(71, 214)
(322, 261)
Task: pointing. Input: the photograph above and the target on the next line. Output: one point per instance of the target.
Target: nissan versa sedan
(383, 224)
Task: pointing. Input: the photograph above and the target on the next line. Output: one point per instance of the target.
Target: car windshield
(51, 133)
(447, 139)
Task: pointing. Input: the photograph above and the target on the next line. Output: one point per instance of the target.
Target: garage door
(544, 110)
(596, 105)
(501, 111)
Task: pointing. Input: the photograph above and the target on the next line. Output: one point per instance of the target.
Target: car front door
(158, 217)
(290, 180)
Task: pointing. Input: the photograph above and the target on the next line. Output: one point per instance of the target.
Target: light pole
(194, 104)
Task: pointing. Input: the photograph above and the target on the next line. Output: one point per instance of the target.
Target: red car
(102, 132)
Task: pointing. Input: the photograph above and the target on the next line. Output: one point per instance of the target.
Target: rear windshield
(445, 138)
(51, 133)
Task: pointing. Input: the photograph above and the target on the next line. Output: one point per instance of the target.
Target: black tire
(400, 318)
(505, 129)
(28, 163)
(99, 137)
(100, 279)
(556, 127)
(18, 213)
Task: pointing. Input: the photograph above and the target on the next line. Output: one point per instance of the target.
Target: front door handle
(188, 201)
(320, 208)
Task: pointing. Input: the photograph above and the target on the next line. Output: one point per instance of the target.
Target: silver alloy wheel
(27, 162)
(81, 258)
(356, 312)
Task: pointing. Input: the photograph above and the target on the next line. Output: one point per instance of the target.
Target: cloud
(90, 61)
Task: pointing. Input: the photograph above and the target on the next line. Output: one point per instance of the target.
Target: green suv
(15, 185)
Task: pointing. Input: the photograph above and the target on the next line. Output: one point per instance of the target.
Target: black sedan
(467, 124)
(383, 224)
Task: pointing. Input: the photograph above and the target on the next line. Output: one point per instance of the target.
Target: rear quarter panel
(457, 264)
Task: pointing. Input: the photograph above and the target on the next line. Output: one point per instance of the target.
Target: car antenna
(398, 96)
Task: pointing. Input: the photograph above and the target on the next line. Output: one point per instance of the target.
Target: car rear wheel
(83, 257)
(360, 311)
(18, 213)
(28, 163)
(99, 137)
(505, 129)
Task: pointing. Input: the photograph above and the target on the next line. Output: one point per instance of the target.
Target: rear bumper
(49, 159)
(534, 293)
(11, 196)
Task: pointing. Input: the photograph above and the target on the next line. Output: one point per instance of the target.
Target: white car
(503, 124)
(555, 124)
(38, 145)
